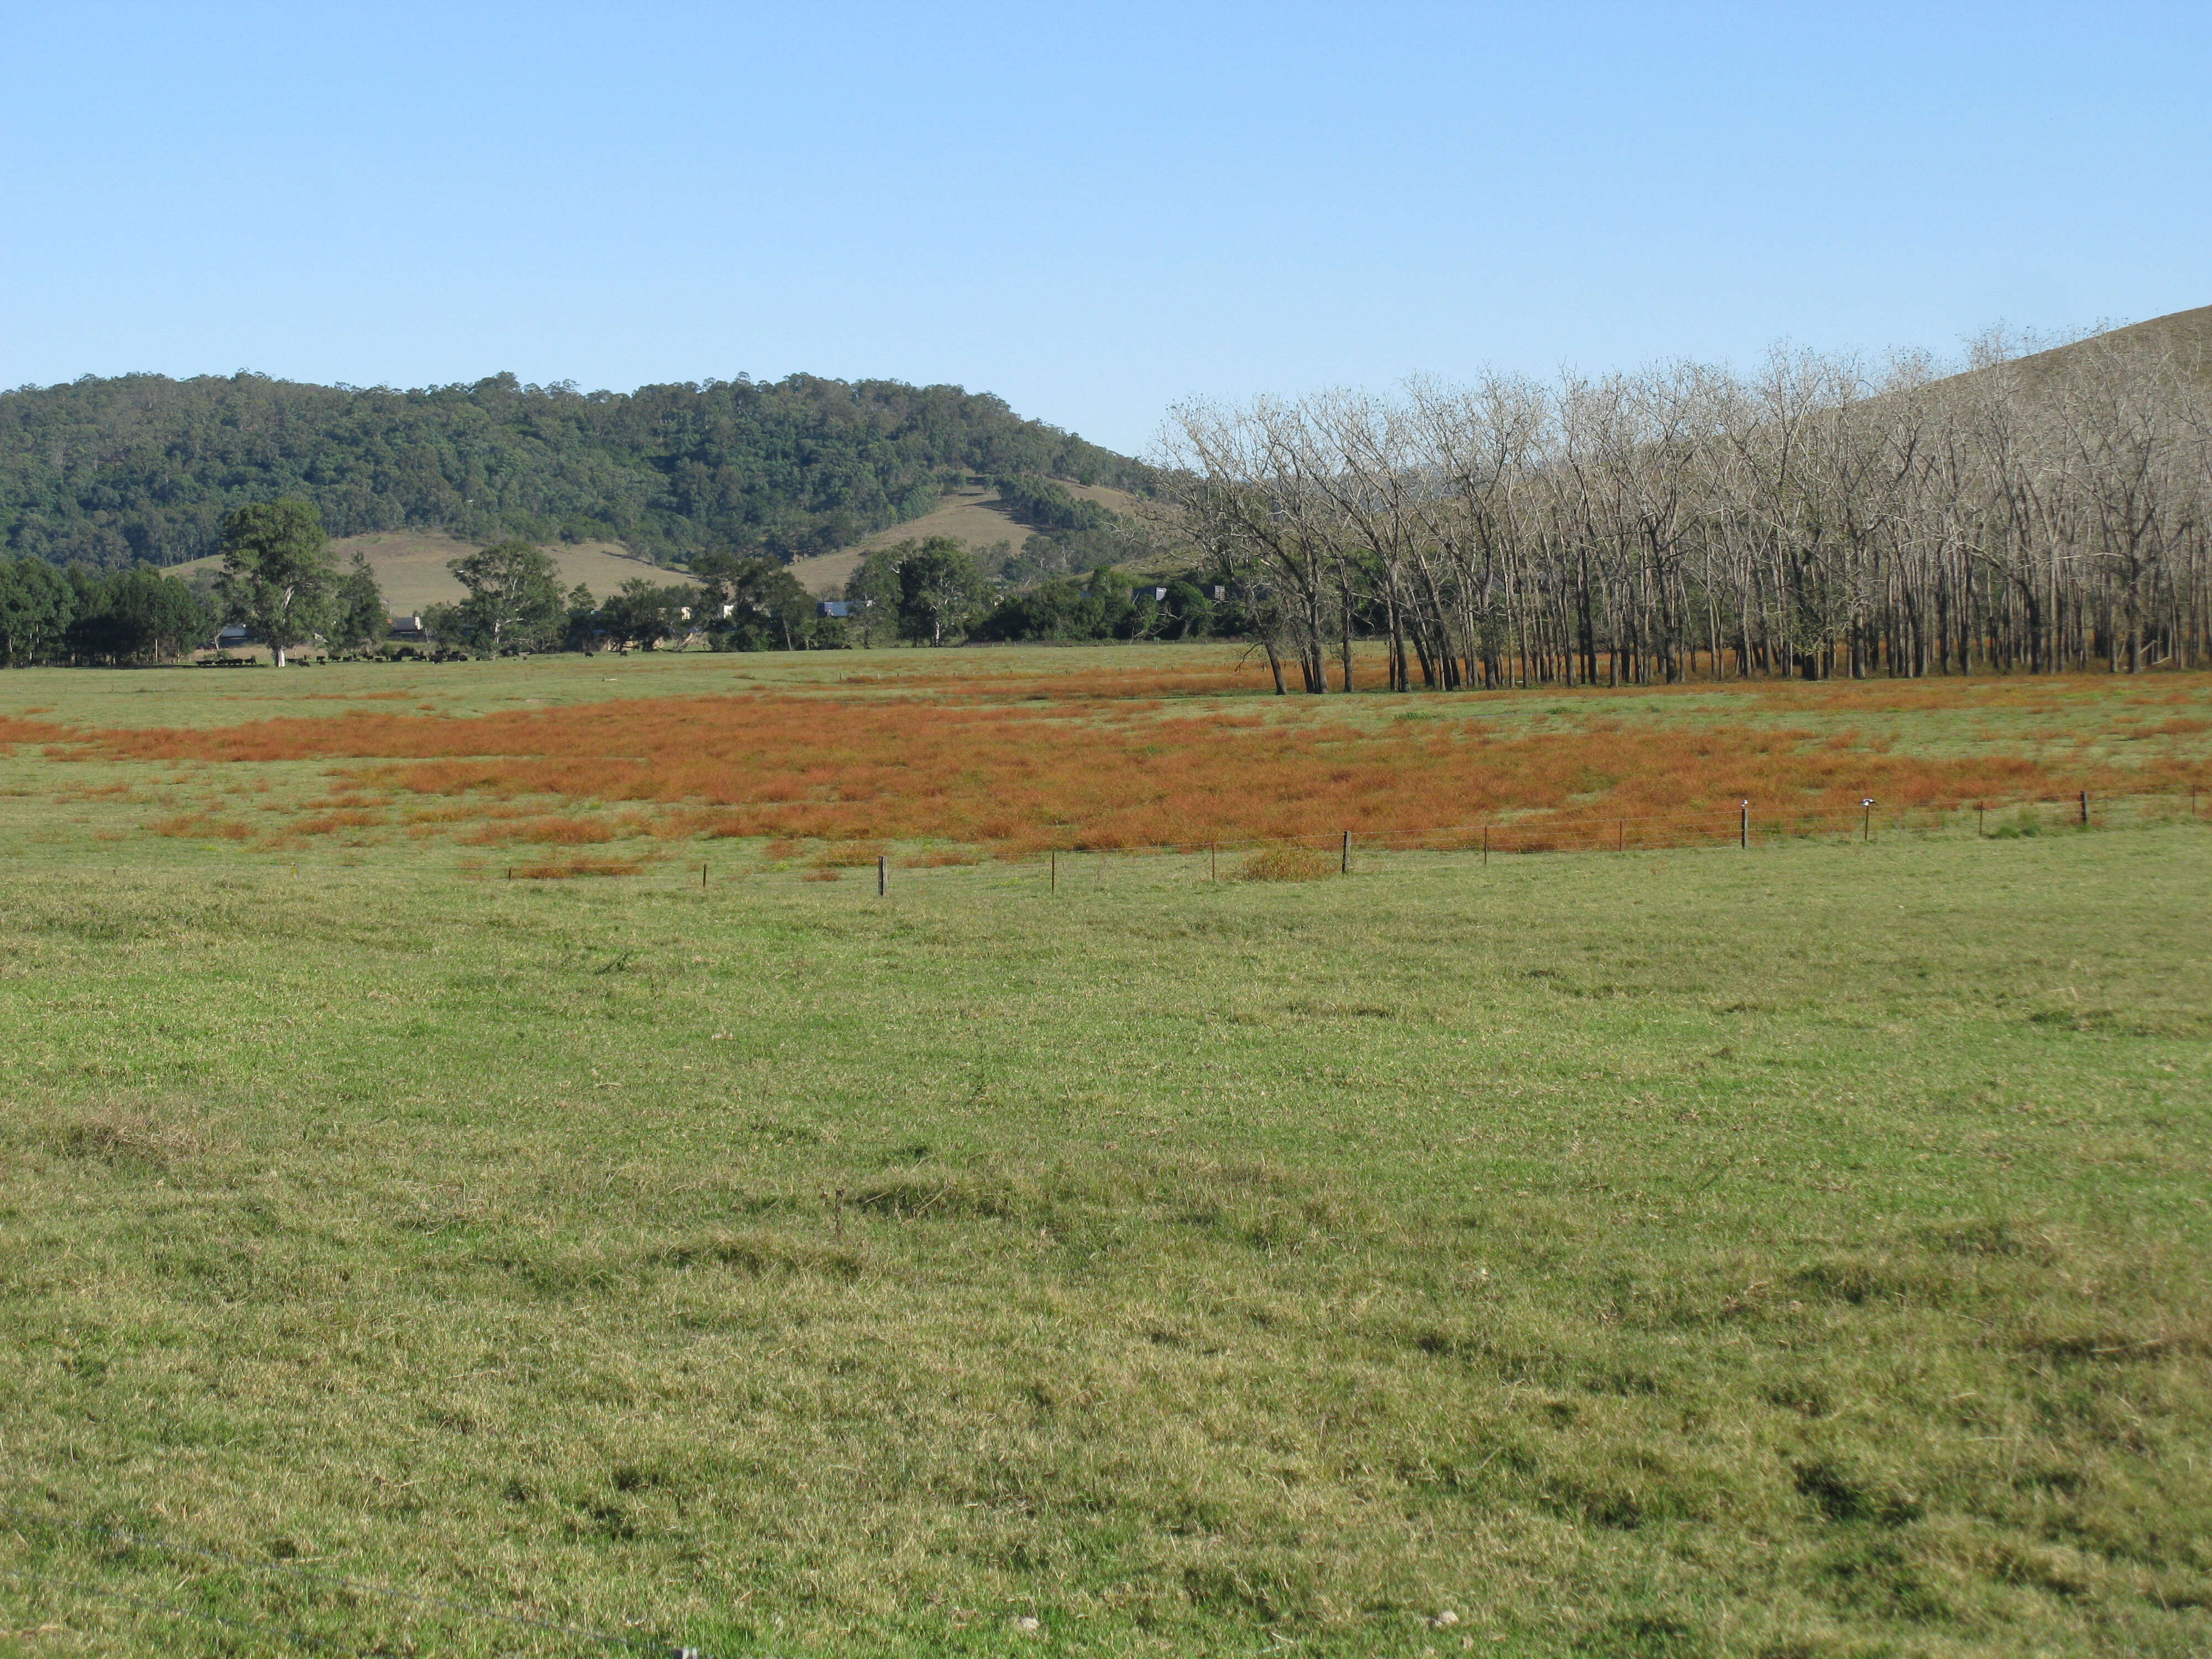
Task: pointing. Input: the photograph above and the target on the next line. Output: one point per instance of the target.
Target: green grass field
(1791, 1253)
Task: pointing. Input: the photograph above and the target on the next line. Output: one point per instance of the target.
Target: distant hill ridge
(111, 472)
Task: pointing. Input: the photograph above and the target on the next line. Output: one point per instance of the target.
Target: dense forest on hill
(141, 467)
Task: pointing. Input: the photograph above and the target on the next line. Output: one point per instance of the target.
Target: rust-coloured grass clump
(1285, 864)
(563, 870)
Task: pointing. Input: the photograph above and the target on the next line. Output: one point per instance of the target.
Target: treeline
(1107, 605)
(932, 592)
(2043, 513)
(143, 469)
(91, 616)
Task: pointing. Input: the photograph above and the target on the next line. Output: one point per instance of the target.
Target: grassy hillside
(1797, 1251)
(2182, 337)
(2180, 341)
(974, 516)
(410, 565)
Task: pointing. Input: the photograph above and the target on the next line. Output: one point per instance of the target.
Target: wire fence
(1745, 826)
(1749, 824)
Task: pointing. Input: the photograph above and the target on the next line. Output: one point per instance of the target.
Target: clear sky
(1090, 210)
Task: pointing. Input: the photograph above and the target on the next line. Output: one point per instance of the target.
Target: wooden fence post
(1054, 877)
(1344, 859)
(883, 874)
(2085, 809)
(1743, 827)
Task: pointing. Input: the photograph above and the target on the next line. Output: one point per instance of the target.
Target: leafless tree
(2041, 512)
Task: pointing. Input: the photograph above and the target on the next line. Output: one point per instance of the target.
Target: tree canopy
(276, 572)
(514, 601)
(358, 618)
(940, 590)
(752, 604)
(84, 615)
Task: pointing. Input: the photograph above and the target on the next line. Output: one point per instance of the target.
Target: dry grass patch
(1287, 864)
(563, 869)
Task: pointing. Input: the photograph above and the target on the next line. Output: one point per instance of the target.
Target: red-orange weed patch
(548, 831)
(327, 823)
(198, 825)
(992, 760)
(15, 730)
(569, 868)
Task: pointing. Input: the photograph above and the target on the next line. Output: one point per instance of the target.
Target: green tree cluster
(872, 594)
(514, 602)
(644, 613)
(142, 468)
(1103, 607)
(931, 592)
(357, 617)
(754, 604)
(85, 616)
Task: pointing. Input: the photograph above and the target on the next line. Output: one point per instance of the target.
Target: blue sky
(1092, 211)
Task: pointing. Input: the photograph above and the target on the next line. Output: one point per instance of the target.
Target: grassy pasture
(1797, 1252)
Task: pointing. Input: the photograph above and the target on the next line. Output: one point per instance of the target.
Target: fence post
(1743, 827)
(1054, 877)
(1344, 861)
(1980, 810)
(703, 878)
(1485, 847)
(883, 874)
(1213, 861)
(2085, 809)
(1866, 825)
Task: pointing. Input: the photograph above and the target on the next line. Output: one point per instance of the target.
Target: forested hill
(143, 467)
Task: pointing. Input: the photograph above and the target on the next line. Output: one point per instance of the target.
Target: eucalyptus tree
(277, 573)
